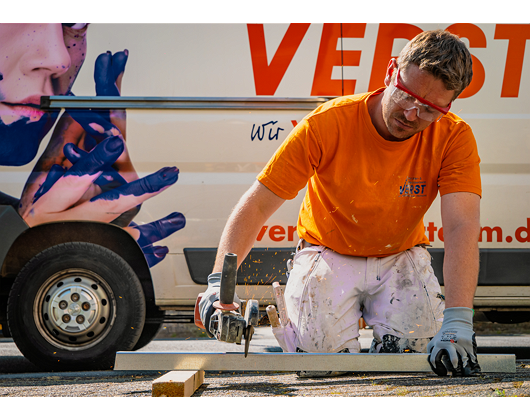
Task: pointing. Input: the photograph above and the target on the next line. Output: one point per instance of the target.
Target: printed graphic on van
(85, 172)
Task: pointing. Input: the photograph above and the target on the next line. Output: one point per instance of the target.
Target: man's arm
(251, 212)
(454, 347)
(461, 224)
(240, 232)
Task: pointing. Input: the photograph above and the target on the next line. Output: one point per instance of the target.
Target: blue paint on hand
(107, 69)
(103, 155)
(150, 184)
(156, 231)
(100, 159)
(55, 172)
(109, 179)
(96, 126)
(160, 229)
(155, 254)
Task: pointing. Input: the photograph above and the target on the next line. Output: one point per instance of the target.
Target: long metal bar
(140, 102)
(290, 362)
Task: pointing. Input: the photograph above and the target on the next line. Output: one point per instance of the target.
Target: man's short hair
(442, 54)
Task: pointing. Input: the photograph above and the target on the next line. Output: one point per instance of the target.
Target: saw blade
(248, 336)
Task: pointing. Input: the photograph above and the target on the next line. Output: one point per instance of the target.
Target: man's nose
(411, 114)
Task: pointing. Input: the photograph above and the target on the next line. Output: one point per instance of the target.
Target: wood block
(178, 383)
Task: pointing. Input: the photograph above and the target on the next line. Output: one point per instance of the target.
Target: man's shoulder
(340, 104)
(343, 101)
(450, 127)
(454, 122)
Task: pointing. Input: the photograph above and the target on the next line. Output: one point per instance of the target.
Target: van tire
(149, 332)
(74, 305)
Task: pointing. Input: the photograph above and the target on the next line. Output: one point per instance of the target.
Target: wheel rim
(74, 309)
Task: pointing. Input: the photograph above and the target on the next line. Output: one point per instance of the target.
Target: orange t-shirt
(367, 196)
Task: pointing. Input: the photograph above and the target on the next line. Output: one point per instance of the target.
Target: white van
(214, 100)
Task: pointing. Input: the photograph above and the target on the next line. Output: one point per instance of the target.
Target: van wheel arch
(74, 305)
(38, 238)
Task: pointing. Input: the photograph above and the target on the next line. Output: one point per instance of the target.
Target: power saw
(227, 324)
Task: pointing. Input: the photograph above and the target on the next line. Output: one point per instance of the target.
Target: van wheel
(74, 305)
(150, 331)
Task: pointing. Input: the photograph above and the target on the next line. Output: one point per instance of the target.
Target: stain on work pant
(326, 294)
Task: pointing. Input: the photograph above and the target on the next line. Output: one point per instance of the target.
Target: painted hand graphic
(63, 195)
(146, 235)
(85, 172)
(85, 128)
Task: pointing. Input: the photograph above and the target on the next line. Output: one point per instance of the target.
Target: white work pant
(327, 293)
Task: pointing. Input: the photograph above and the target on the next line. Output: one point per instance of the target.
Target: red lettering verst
(477, 39)
(329, 56)
(261, 233)
(388, 32)
(267, 77)
(517, 35)
(277, 233)
(291, 230)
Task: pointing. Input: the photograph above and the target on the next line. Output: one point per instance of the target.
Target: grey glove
(454, 348)
(211, 294)
(206, 308)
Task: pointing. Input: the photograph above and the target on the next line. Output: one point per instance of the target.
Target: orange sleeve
(295, 161)
(460, 170)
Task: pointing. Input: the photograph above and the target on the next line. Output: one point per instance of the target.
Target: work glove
(206, 308)
(211, 294)
(454, 348)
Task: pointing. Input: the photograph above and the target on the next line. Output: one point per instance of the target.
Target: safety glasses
(407, 100)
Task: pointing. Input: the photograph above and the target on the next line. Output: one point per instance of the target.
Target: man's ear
(392, 65)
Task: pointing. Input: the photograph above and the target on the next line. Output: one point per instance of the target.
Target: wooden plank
(178, 384)
(291, 362)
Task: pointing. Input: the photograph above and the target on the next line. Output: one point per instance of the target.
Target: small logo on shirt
(413, 187)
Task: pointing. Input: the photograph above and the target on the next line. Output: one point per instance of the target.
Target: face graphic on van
(35, 60)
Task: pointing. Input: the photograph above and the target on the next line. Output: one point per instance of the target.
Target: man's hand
(211, 294)
(454, 348)
(207, 310)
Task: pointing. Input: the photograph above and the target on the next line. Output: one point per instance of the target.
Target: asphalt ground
(19, 378)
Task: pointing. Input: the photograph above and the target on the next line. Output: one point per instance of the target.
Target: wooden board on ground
(177, 384)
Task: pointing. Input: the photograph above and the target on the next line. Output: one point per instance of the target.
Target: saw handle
(228, 284)
(228, 279)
